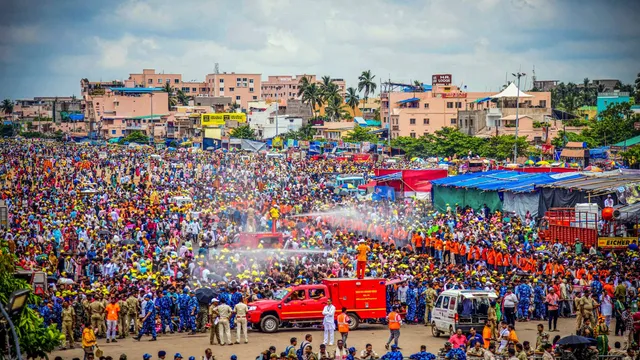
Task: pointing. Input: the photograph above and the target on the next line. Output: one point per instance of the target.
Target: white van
(460, 309)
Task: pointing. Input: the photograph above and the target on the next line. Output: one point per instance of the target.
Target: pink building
(242, 88)
(286, 87)
(117, 112)
(415, 114)
(149, 78)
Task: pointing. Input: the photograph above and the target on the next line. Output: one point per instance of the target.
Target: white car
(460, 309)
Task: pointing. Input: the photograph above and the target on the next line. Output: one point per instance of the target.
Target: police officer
(240, 310)
(122, 317)
(213, 320)
(133, 311)
(68, 319)
(224, 314)
(148, 322)
(430, 300)
(97, 315)
(183, 309)
(194, 307)
(165, 312)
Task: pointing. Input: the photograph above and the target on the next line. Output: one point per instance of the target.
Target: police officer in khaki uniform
(122, 319)
(133, 311)
(97, 315)
(577, 301)
(68, 320)
(224, 314)
(430, 298)
(241, 309)
(103, 321)
(492, 317)
(213, 320)
(588, 305)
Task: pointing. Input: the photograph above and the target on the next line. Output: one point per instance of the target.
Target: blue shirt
(473, 339)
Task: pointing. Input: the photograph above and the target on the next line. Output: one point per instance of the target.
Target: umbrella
(542, 163)
(575, 340)
(593, 168)
(574, 165)
(529, 162)
(205, 295)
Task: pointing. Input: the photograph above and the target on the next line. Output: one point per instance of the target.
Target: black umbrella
(205, 295)
(575, 340)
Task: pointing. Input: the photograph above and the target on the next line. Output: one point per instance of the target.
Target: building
(332, 131)
(98, 87)
(54, 108)
(297, 109)
(545, 85)
(605, 85)
(117, 111)
(216, 103)
(417, 113)
(149, 78)
(612, 97)
(262, 118)
(282, 88)
(587, 112)
(242, 88)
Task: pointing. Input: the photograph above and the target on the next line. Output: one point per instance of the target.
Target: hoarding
(454, 95)
(441, 79)
(219, 119)
(614, 242)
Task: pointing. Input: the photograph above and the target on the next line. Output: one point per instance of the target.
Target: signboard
(454, 95)
(276, 142)
(441, 79)
(303, 144)
(614, 243)
(290, 143)
(636, 125)
(220, 119)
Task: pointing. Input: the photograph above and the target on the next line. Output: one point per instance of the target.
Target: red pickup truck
(303, 304)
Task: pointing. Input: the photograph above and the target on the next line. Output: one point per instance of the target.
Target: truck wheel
(269, 324)
(434, 330)
(354, 321)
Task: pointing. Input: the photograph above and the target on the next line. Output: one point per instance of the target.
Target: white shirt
(329, 311)
(510, 300)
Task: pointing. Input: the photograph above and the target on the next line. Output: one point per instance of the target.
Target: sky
(46, 47)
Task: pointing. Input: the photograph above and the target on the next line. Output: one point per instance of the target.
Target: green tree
(303, 84)
(243, 132)
(570, 103)
(335, 108)
(137, 137)
(36, 340)
(632, 156)
(6, 106)
(366, 84)
(501, 147)
(182, 98)
(312, 96)
(171, 93)
(613, 125)
(360, 134)
(563, 138)
(352, 98)
(306, 132)
(637, 92)
(233, 107)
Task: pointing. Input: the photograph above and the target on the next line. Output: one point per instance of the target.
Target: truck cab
(303, 304)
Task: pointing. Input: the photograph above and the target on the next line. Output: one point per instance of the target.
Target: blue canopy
(408, 100)
(503, 180)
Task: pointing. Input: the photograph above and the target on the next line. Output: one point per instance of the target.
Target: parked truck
(303, 304)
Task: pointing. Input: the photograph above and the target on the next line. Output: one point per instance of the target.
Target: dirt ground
(411, 337)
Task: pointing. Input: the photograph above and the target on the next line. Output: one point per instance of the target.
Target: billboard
(441, 79)
(614, 242)
(219, 119)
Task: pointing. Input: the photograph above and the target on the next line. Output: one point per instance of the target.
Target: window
(250, 89)
(452, 304)
(168, 81)
(238, 79)
(425, 133)
(543, 103)
(413, 135)
(412, 121)
(244, 79)
(122, 132)
(250, 81)
(458, 105)
(425, 121)
(194, 89)
(159, 81)
(449, 104)
(238, 97)
(453, 121)
(221, 89)
(221, 81)
(316, 294)
(113, 132)
(231, 89)
(255, 97)
(150, 81)
(426, 105)
(297, 295)
(176, 81)
(470, 122)
(445, 303)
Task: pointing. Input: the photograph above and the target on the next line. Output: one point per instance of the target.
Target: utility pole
(277, 108)
(515, 147)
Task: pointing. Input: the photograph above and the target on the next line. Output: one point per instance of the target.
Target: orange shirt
(112, 311)
(363, 249)
(499, 259)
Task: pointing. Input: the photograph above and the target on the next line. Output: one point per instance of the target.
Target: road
(412, 336)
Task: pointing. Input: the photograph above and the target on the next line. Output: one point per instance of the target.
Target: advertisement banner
(219, 119)
(304, 144)
(612, 243)
(441, 79)
(277, 142)
(290, 143)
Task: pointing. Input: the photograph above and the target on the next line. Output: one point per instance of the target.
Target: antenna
(216, 69)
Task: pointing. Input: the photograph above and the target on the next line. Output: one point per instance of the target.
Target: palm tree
(366, 83)
(171, 92)
(570, 103)
(335, 109)
(353, 99)
(302, 85)
(331, 92)
(233, 107)
(182, 98)
(312, 96)
(7, 106)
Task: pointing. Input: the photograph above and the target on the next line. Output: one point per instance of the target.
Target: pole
(13, 332)
(152, 108)
(515, 147)
(277, 109)
(389, 114)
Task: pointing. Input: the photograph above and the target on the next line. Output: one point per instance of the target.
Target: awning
(511, 91)
(478, 101)
(408, 100)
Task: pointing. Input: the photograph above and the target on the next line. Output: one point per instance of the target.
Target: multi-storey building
(285, 87)
(149, 78)
(416, 113)
(242, 88)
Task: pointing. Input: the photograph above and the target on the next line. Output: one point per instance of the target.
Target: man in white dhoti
(328, 323)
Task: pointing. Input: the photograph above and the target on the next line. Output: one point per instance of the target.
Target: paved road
(412, 336)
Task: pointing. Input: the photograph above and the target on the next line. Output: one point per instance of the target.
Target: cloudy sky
(46, 47)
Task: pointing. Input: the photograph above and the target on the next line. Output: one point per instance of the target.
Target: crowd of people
(128, 235)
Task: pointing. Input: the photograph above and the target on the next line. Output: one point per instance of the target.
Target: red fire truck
(303, 304)
(258, 240)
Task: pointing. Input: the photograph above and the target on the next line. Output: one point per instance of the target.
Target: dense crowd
(128, 235)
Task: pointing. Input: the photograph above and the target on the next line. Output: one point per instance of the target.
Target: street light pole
(277, 109)
(515, 147)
